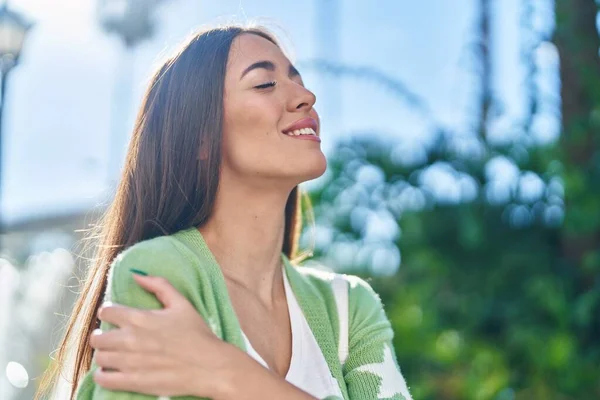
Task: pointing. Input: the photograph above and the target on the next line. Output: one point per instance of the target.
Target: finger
(128, 361)
(109, 359)
(115, 339)
(162, 289)
(121, 316)
(131, 381)
(124, 340)
(114, 380)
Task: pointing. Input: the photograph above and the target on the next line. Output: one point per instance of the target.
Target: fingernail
(106, 304)
(137, 271)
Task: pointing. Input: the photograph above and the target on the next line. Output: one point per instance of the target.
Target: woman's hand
(173, 352)
(166, 352)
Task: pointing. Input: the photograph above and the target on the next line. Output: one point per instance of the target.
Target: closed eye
(266, 85)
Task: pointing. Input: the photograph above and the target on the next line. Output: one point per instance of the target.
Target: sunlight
(42, 10)
(17, 375)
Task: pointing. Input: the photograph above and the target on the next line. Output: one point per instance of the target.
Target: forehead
(249, 48)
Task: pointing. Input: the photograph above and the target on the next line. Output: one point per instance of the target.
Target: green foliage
(498, 292)
(484, 305)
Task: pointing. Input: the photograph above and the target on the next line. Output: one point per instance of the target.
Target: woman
(197, 247)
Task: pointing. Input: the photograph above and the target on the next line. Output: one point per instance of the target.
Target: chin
(314, 169)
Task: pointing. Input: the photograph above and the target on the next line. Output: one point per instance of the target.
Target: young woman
(196, 284)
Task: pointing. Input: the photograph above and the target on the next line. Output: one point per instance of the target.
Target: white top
(308, 368)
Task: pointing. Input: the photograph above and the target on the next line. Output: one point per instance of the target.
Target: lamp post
(13, 29)
(132, 21)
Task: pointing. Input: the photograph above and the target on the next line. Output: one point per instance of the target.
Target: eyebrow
(269, 66)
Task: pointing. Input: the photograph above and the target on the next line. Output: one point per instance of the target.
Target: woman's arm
(249, 380)
(371, 370)
(158, 257)
(144, 359)
(154, 342)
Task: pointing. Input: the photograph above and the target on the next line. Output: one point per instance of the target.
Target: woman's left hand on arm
(169, 352)
(172, 352)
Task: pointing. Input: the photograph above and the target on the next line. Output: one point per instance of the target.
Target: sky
(69, 106)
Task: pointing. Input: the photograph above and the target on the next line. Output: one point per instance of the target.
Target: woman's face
(266, 107)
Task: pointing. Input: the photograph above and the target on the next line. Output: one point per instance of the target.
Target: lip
(307, 122)
(307, 137)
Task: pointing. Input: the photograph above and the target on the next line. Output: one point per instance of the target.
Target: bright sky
(65, 99)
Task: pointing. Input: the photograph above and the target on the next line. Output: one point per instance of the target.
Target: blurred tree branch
(393, 85)
(577, 39)
(485, 71)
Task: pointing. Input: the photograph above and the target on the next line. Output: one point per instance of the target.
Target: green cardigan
(188, 264)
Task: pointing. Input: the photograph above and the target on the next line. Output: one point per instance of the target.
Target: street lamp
(130, 19)
(13, 29)
(133, 22)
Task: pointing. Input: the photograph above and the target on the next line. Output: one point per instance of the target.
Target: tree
(577, 39)
(497, 296)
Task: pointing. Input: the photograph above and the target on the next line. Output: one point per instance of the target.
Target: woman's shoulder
(360, 292)
(364, 305)
(162, 256)
(174, 248)
(152, 255)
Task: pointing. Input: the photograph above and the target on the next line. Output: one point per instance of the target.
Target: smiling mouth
(301, 132)
(305, 128)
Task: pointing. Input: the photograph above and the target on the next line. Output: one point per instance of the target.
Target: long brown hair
(166, 186)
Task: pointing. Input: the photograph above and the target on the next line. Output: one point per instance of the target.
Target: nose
(302, 98)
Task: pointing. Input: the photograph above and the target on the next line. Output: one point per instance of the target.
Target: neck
(245, 234)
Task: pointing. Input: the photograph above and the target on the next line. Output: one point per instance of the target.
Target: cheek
(253, 147)
(255, 117)
(250, 135)
(252, 116)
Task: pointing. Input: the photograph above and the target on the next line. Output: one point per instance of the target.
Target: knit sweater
(370, 371)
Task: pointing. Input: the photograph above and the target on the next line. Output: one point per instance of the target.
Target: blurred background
(463, 141)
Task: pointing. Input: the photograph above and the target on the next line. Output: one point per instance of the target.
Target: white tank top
(308, 368)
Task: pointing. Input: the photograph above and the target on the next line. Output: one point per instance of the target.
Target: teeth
(303, 131)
